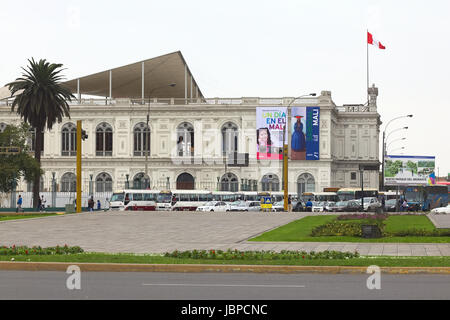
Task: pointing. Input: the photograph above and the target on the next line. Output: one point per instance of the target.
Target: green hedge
(260, 255)
(24, 250)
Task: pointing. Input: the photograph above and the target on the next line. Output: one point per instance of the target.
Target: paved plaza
(158, 232)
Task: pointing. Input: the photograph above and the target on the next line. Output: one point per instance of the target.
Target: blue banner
(305, 133)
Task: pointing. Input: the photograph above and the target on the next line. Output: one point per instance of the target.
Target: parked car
(252, 206)
(329, 205)
(441, 210)
(352, 206)
(372, 204)
(318, 206)
(278, 206)
(247, 206)
(299, 207)
(237, 205)
(339, 206)
(390, 205)
(214, 206)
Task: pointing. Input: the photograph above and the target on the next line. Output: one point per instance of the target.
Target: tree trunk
(37, 155)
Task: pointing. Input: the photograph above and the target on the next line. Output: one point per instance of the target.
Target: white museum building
(193, 142)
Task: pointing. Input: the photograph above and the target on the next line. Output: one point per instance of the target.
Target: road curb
(186, 268)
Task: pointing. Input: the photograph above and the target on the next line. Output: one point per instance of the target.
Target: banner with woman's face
(270, 122)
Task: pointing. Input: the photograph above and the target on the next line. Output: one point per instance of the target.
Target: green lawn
(26, 216)
(300, 230)
(156, 259)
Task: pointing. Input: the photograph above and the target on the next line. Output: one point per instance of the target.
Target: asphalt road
(218, 286)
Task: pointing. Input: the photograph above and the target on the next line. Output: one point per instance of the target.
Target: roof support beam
(78, 91)
(110, 84)
(143, 77)
(185, 83)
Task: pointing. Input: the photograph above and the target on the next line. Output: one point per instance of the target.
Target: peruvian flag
(372, 40)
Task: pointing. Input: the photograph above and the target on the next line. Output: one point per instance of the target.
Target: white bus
(249, 196)
(189, 200)
(320, 196)
(279, 195)
(134, 200)
(225, 196)
(164, 200)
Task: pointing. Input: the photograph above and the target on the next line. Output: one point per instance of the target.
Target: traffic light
(84, 135)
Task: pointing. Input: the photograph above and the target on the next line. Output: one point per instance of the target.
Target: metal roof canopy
(150, 78)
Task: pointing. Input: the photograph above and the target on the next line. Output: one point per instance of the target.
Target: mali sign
(305, 133)
(409, 170)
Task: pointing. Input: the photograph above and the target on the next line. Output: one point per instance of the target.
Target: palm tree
(40, 101)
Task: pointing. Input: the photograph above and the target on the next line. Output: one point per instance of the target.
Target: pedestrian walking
(383, 203)
(91, 204)
(19, 204)
(289, 203)
(39, 205)
(43, 201)
(99, 205)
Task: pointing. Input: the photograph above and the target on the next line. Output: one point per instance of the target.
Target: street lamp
(384, 144)
(402, 148)
(398, 129)
(147, 133)
(285, 152)
(394, 141)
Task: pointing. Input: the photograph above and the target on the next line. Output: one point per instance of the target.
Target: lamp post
(402, 148)
(394, 141)
(53, 189)
(147, 134)
(384, 144)
(285, 152)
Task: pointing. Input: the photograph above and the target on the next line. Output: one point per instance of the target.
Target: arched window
(185, 181)
(229, 182)
(305, 183)
(141, 139)
(270, 182)
(32, 140)
(103, 183)
(140, 182)
(69, 182)
(2, 127)
(103, 140)
(185, 139)
(69, 140)
(229, 138)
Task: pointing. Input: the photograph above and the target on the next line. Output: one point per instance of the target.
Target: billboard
(270, 122)
(409, 170)
(305, 133)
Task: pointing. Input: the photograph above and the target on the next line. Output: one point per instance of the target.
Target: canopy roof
(126, 81)
(160, 74)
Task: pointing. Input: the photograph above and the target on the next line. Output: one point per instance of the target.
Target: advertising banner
(270, 122)
(409, 170)
(305, 133)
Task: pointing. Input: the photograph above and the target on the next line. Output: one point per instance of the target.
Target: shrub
(365, 216)
(38, 250)
(259, 255)
(418, 233)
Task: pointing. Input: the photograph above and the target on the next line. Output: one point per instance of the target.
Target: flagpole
(367, 47)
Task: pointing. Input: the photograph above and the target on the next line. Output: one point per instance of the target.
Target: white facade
(348, 137)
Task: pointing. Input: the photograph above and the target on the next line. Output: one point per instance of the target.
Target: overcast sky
(260, 48)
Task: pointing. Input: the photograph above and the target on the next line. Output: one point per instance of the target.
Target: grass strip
(26, 216)
(300, 230)
(382, 261)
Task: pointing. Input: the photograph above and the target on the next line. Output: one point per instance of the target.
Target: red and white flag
(373, 41)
